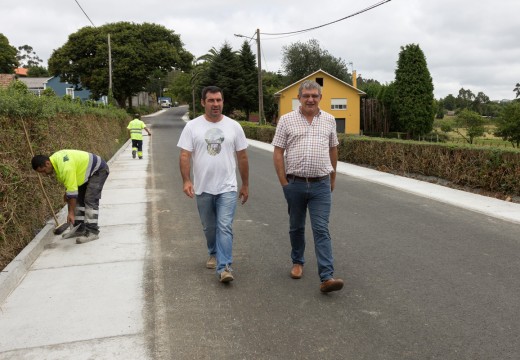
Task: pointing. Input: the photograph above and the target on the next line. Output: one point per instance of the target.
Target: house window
(320, 81)
(70, 92)
(338, 104)
(295, 104)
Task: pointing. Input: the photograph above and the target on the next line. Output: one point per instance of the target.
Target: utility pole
(110, 94)
(261, 119)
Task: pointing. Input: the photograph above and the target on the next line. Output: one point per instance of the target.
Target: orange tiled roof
(21, 71)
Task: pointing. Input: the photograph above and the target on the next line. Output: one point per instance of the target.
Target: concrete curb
(16, 270)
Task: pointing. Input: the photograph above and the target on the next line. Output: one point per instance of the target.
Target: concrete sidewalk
(85, 301)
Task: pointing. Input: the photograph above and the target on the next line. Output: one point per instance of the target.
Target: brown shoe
(331, 285)
(297, 271)
(212, 262)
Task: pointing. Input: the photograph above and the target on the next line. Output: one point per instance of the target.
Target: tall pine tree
(248, 90)
(413, 102)
(224, 72)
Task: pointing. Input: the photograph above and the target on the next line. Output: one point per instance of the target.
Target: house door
(340, 126)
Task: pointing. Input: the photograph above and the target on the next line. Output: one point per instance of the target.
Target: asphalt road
(423, 279)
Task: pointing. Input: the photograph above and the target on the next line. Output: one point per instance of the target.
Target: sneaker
(212, 262)
(87, 238)
(134, 153)
(140, 157)
(226, 276)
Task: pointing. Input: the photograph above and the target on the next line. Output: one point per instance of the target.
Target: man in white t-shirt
(210, 141)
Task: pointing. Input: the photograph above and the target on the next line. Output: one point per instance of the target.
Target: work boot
(87, 238)
(134, 153)
(212, 262)
(226, 276)
(331, 285)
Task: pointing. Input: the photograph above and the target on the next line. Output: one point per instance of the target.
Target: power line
(109, 54)
(332, 22)
(85, 13)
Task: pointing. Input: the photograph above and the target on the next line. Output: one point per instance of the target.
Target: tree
(508, 124)
(517, 89)
(413, 101)
(301, 59)
(272, 82)
(386, 96)
(224, 72)
(439, 105)
(27, 57)
(8, 61)
(138, 50)
(37, 71)
(465, 98)
(180, 87)
(469, 124)
(370, 87)
(450, 103)
(480, 102)
(248, 90)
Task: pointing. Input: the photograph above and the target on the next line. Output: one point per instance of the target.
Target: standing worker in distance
(211, 141)
(136, 127)
(307, 139)
(83, 175)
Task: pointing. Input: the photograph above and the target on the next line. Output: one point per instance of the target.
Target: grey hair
(309, 85)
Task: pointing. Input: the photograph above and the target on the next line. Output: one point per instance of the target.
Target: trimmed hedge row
(495, 170)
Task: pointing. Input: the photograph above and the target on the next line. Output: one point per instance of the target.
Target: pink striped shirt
(306, 145)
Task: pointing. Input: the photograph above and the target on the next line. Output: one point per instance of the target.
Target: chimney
(354, 79)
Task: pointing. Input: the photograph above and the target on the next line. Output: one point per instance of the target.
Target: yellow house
(341, 100)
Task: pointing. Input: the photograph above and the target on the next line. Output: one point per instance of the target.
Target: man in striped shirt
(305, 158)
(83, 175)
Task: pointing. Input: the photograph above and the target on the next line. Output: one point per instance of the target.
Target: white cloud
(466, 43)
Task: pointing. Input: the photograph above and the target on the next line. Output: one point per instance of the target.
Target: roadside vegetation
(52, 123)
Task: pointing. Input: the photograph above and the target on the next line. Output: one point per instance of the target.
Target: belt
(306, 179)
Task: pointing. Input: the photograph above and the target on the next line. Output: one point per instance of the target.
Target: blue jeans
(216, 215)
(317, 197)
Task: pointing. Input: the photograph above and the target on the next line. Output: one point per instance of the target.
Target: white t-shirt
(213, 147)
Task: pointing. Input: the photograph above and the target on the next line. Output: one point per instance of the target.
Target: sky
(470, 44)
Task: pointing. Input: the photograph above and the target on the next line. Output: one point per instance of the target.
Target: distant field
(489, 139)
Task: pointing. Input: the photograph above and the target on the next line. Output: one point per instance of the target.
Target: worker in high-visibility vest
(83, 175)
(136, 127)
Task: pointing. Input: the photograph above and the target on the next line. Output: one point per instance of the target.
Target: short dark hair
(212, 90)
(39, 161)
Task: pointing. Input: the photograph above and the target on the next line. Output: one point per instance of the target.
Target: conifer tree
(248, 90)
(224, 72)
(413, 101)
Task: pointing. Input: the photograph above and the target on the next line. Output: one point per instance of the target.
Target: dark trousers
(138, 145)
(87, 207)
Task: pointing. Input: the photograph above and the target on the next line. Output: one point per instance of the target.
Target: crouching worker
(83, 175)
